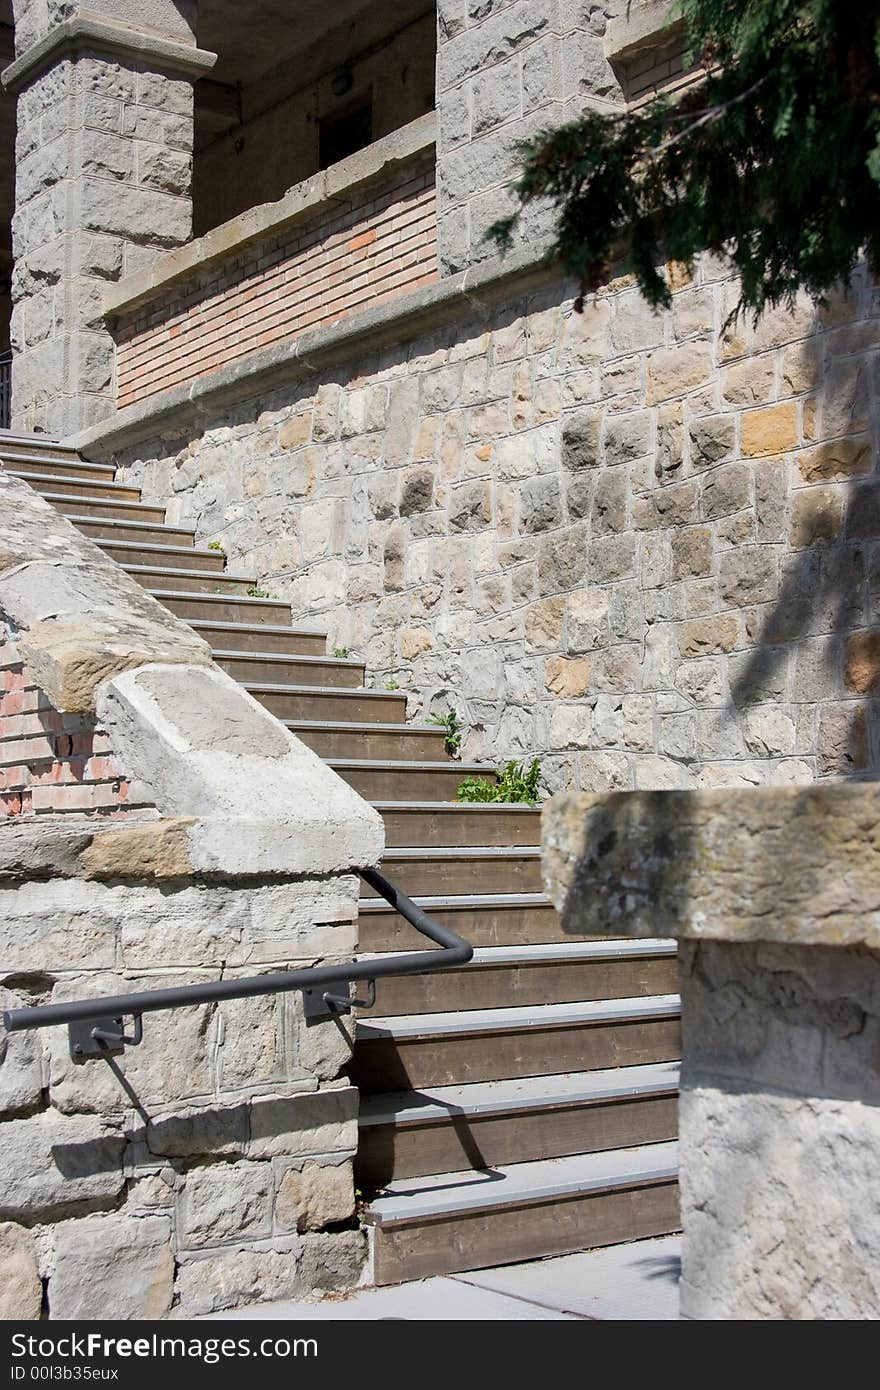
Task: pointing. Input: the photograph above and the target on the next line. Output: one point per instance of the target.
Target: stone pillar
(775, 898)
(103, 187)
(504, 73)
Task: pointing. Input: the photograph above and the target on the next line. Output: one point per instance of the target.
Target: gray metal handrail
(96, 1025)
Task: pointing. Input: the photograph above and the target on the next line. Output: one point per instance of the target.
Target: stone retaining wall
(640, 546)
(211, 1165)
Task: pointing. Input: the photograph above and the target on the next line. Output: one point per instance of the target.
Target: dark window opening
(342, 135)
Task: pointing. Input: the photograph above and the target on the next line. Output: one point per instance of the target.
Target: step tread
(515, 1184)
(519, 1018)
(426, 765)
(100, 501)
(9, 456)
(107, 487)
(478, 808)
(455, 852)
(129, 525)
(174, 573)
(187, 550)
(224, 625)
(341, 726)
(630, 948)
(220, 598)
(529, 1093)
(463, 900)
(286, 658)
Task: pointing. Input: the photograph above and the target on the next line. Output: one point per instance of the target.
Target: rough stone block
(225, 1202)
(56, 1165)
(314, 1195)
(111, 1262)
(21, 1292)
(239, 1275)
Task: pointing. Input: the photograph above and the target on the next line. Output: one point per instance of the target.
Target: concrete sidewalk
(638, 1281)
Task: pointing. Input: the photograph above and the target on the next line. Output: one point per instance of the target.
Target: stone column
(503, 74)
(103, 186)
(774, 896)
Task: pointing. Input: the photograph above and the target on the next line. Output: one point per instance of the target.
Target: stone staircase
(522, 1106)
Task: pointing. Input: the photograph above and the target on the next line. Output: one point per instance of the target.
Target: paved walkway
(638, 1281)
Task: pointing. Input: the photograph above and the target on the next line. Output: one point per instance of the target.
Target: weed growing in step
(256, 592)
(391, 685)
(216, 545)
(449, 722)
(341, 652)
(514, 784)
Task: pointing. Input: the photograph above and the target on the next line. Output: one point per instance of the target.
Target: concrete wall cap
(796, 865)
(262, 802)
(645, 24)
(84, 31)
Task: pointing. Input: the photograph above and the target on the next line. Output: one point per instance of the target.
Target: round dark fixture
(341, 82)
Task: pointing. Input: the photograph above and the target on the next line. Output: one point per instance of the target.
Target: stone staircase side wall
(203, 1168)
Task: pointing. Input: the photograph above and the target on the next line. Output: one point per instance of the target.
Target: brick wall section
(53, 763)
(358, 252)
(656, 69)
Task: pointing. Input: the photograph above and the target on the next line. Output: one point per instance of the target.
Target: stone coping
(85, 31)
(645, 24)
(793, 865)
(226, 241)
(379, 326)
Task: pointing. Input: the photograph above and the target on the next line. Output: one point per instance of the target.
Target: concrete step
(224, 608)
(48, 484)
(394, 742)
(412, 781)
(506, 977)
(136, 532)
(405, 1051)
(179, 558)
(445, 1129)
(105, 509)
(261, 637)
(437, 823)
(521, 1211)
(57, 466)
(274, 669)
(329, 704)
(34, 445)
(511, 919)
(157, 578)
(447, 872)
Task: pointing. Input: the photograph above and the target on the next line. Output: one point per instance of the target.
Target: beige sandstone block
(862, 664)
(567, 676)
(770, 431)
(702, 636)
(159, 849)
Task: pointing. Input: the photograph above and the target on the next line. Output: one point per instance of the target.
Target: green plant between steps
(216, 545)
(514, 784)
(449, 722)
(256, 592)
(340, 652)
